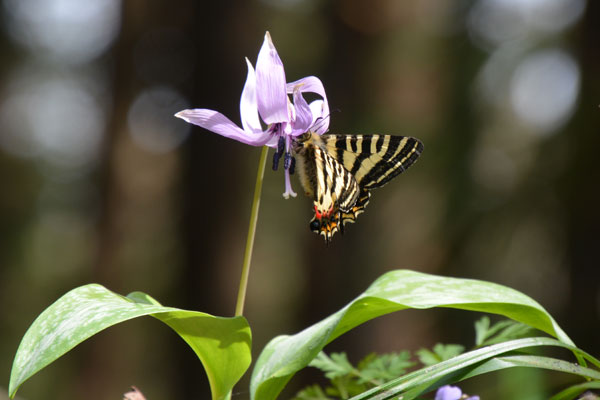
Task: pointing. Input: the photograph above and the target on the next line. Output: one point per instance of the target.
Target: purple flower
(267, 94)
(448, 392)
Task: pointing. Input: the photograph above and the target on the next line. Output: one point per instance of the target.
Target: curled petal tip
(182, 115)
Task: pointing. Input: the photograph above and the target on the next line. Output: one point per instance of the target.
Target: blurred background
(100, 183)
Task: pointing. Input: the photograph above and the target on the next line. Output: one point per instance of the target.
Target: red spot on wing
(317, 213)
(321, 215)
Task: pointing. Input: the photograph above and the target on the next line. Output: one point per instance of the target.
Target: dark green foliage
(501, 331)
(439, 353)
(346, 381)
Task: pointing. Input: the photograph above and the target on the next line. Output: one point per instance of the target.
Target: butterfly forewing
(374, 160)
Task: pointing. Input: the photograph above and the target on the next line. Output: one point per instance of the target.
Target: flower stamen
(286, 165)
(287, 161)
(278, 153)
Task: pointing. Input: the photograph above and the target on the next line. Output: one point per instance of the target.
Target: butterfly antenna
(319, 121)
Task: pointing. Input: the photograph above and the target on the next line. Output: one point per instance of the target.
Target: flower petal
(272, 142)
(270, 84)
(304, 115)
(312, 84)
(248, 108)
(320, 122)
(218, 123)
(448, 392)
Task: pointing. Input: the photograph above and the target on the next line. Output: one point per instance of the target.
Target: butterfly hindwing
(338, 172)
(334, 190)
(324, 178)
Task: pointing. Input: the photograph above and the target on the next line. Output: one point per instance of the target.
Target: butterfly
(339, 171)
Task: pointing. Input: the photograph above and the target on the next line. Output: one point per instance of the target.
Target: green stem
(239, 307)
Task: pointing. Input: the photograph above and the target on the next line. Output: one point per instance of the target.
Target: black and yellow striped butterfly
(339, 171)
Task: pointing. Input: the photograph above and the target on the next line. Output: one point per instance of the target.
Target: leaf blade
(394, 291)
(466, 365)
(89, 309)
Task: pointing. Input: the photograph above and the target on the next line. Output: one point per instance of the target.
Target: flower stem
(239, 307)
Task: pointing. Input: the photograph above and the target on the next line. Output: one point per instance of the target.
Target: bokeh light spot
(151, 119)
(493, 22)
(56, 119)
(544, 89)
(69, 30)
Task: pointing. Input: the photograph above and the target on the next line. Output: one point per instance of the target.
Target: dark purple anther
(287, 160)
(276, 158)
(278, 153)
(280, 145)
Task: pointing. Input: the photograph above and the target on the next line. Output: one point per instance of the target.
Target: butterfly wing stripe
(370, 162)
(406, 154)
(306, 170)
(376, 144)
(373, 159)
(340, 153)
(335, 185)
(348, 189)
(365, 162)
(362, 142)
(321, 170)
(348, 158)
(361, 203)
(384, 165)
(353, 145)
(383, 141)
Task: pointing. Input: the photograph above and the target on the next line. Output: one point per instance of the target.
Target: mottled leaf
(394, 291)
(222, 344)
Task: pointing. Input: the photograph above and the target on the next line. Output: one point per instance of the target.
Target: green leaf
(313, 392)
(512, 331)
(394, 291)
(384, 367)
(573, 391)
(345, 387)
(477, 362)
(335, 366)
(221, 344)
(501, 331)
(482, 327)
(470, 364)
(549, 363)
(440, 353)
